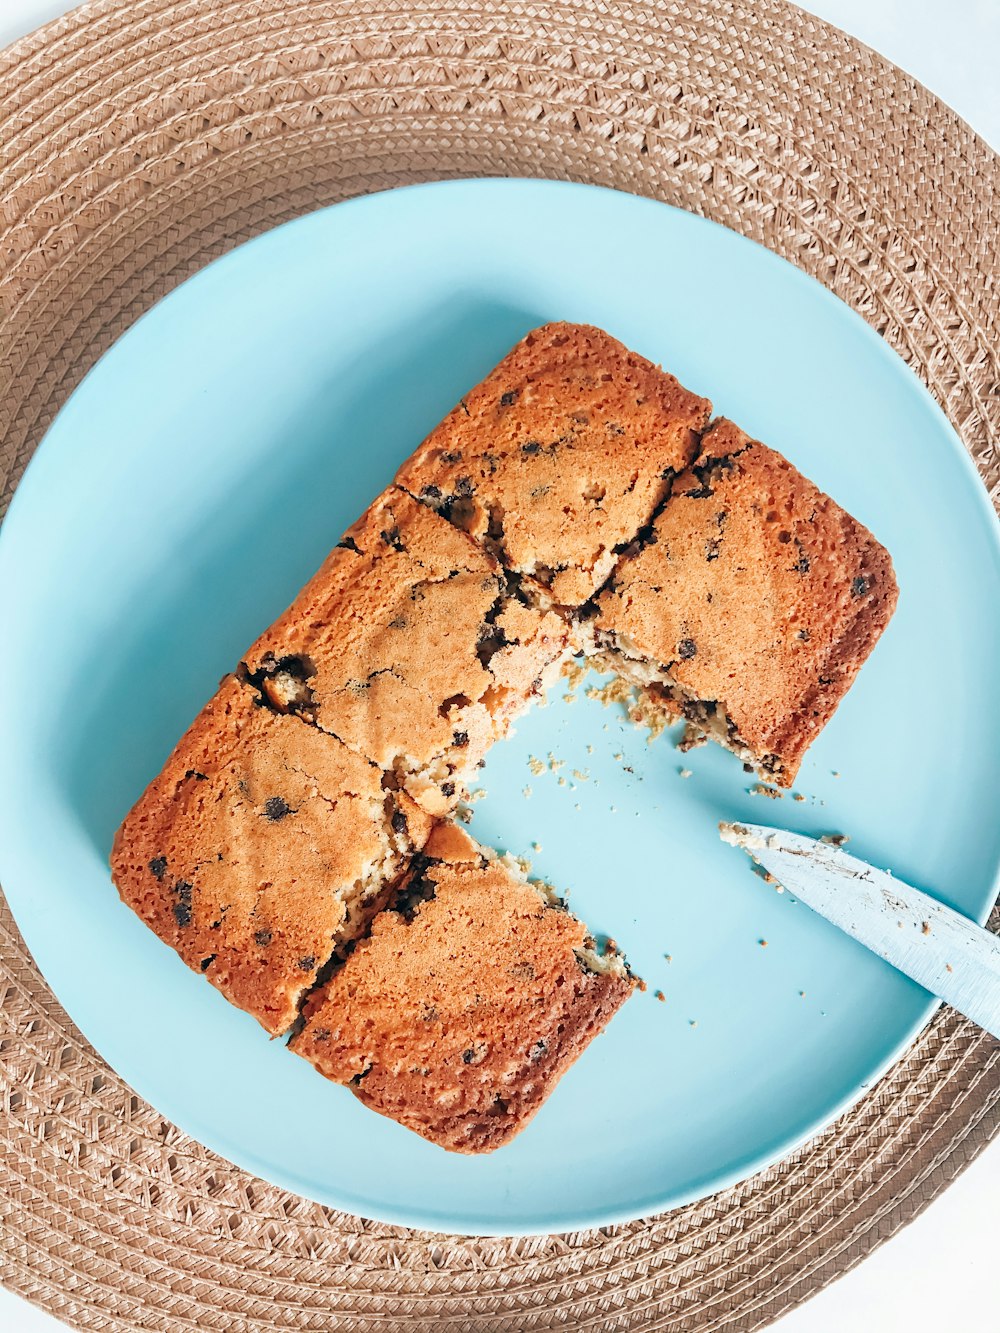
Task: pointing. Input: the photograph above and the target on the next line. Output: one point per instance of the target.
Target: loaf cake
(261, 850)
(294, 850)
(412, 646)
(471, 996)
(751, 605)
(560, 456)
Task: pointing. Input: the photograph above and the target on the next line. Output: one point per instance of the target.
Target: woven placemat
(141, 138)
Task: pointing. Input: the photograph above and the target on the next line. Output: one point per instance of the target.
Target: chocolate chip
(802, 634)
(158, 866)
(686, 649)
(826, 680)
(349, 544)
(182, 913)
(392, 538)
(463, 487)
(699, 493)
(432, 493)
(183, 890)
(398, 821)
(784, 538)
(460, 738)
(263, 938)
(451, 456)
(802, 565)
(321, 1034)
(275, 808)
(509, 398)
(532, 447)
(206, 963)
(447, 789)
(468, 1057)
(193, 773)
(860, 586)
(307, 963)
(538, 1050)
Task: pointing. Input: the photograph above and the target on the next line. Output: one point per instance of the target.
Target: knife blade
(937, 947)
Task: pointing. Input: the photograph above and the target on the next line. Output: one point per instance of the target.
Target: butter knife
(937, 947)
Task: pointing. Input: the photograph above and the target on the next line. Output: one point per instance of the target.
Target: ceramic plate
(199, 475)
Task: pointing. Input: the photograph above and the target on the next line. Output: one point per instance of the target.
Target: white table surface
(936, 1276)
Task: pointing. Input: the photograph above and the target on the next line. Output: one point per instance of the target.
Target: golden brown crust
(260, 849)
(560, 456)
(465, 1005)
(757, 592)
(411, 648)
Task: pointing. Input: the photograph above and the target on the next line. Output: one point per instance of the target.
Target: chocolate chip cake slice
(261, 850)
(411, 644)
(560, 456)
(470, 998)
(751, 607)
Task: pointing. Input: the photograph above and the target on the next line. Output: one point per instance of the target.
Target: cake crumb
(554, 763)
(536, 846)
(590, 749)
(802, 995)
(660, 995)
(834, 772)
(684, 772)
(525, 791)
(948, 967)
(691, 738)
(692, 1022)
(464, 814)
(618, 756)
(536, 766)
(925, 927)
(760, 789)
(669, 957)
(762, 943)
(797, 796)
(574, 672)
(582, 774)
(835, 839)
(641, 985)
(562, 782)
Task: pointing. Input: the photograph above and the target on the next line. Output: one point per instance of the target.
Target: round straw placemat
(141, 138)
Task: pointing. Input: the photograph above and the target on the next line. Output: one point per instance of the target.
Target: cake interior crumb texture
(261, 850)
(412, 646)
(560, 456)
(471, 996)
(751, 606)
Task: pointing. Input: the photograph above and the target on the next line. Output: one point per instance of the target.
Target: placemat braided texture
(141, 138)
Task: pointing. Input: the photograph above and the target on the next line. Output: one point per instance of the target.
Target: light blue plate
(199, 475)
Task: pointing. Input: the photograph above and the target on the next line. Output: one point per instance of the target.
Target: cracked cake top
(756, 594)
(411, 646)
(560, 456)
(260, 849)
(470, 998)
